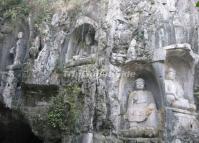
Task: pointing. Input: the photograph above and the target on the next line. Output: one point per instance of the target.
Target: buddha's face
(171, 74)
(88, 39)
(20, 35)
(139, 83)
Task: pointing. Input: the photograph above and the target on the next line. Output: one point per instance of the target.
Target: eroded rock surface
(74, 78)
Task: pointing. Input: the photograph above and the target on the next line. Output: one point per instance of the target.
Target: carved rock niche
(134, 99)
(82, 45)
(181, 118)
(179, 76)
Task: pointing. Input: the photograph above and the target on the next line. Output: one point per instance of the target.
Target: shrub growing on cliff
(16, 9)
(13, 9)
(65, 109)
(197, 4)
(41, 11)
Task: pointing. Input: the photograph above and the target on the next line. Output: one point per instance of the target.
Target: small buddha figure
(34, 50)
(142, 112)
(131, 53)
(85, 49)
(19, 49)
(91, 48)
(175, 92)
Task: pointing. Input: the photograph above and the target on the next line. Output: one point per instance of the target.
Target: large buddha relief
(141, 102)
(142, 112)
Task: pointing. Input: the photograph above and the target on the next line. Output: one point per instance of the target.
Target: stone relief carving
(17, 53)
(11, 81)
(175, 92)
(82, 43)
(142, 113)
(19, 49)
(131, 53)
(88, 47)
(122, 38)
(34, 50)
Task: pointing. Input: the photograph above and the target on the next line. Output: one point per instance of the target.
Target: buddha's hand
(150, 108)
(192, 107)
(170, 98)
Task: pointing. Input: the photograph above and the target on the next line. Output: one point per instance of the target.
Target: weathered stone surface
(178, 123)
(98, 138)
(103, 47)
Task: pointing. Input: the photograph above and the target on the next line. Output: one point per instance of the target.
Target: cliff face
(105, 71)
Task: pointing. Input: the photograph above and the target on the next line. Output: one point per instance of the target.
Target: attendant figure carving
(175, 92)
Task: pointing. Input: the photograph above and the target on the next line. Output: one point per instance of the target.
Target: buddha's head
(20, 35)
(171, 75)
(88, 39)
(139, 84)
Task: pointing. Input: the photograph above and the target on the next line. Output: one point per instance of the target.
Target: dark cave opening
(14, 129)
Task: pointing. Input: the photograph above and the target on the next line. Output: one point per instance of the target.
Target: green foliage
(42, 11)
(8, 3)
(197, 4)
(13, 9)
(65, 109)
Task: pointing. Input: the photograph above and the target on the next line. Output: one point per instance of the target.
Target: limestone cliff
(103, 71)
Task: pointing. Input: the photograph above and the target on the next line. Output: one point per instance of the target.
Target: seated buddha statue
(175, 93)
(142, 112)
